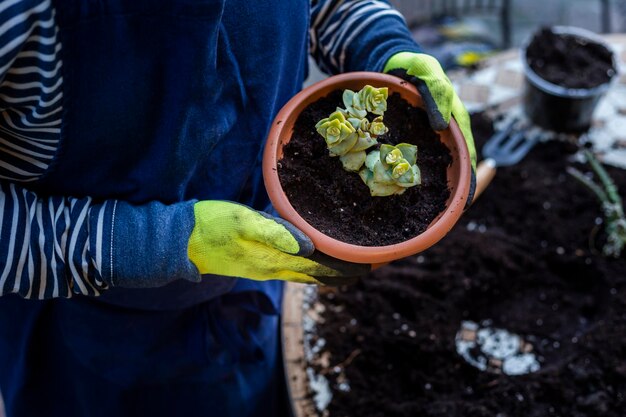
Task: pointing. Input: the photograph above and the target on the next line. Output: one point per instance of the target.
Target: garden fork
(506, 147)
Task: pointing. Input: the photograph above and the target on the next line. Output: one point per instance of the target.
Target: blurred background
(461, 32)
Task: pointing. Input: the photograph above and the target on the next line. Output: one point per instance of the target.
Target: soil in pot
(338, 203)
(569, 61)
(524, 258)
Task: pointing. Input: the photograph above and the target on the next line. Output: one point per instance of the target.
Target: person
(132, 201)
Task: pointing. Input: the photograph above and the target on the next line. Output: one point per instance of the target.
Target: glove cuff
(149, 247)
(399, 60)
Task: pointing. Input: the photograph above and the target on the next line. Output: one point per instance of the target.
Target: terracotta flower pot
(458, 173)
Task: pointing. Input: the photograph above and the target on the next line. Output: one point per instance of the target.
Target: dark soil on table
(520, 257)
(569, 61)
(338, 203)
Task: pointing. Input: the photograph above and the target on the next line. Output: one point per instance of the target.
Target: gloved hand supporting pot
(440, 100)
(231, 239)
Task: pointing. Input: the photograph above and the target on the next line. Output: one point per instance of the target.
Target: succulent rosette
(354, 107)
(339, 134)
(374, 100)
(377, 127)
(391, 170)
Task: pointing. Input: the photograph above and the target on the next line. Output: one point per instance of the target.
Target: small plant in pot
(568, 70)
(348, 133)
(341, 163)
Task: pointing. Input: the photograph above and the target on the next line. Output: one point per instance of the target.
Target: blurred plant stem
(612, 205)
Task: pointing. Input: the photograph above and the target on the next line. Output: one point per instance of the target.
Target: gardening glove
(233, 240)
(440, 99)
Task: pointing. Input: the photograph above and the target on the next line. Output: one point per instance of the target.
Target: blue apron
(166, 100)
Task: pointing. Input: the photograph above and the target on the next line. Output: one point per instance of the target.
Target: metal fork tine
(505, 148)
(513, 141)
(511, 144)
(498, 138)
(522, 150)
(523, 147)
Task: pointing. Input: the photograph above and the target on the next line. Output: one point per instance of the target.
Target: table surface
(497, 87)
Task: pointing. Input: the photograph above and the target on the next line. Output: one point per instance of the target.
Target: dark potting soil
(569, 61)
(525, 258)
(338, 203)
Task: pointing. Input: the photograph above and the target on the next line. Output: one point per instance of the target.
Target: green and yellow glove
(440, 99)
(234, 240)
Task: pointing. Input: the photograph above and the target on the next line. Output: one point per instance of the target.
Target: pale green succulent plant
(349, 133)
(391, 170)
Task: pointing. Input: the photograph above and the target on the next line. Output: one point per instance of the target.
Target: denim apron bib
(166, 100)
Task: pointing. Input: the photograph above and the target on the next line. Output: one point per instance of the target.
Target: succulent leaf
(409, 152)
(353, 104)
(365, 174)
(353, 161)
(382, 175)
(364, 142)
(355, 122)
(384, 190)
(371, 160)
(385, 149)
(345, 145)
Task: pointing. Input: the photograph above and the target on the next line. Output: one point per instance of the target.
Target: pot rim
(351, 252)
(557, 90)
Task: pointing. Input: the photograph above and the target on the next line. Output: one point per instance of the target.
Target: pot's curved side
(459, 173)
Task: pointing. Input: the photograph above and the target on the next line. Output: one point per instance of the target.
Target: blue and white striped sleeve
(53, 247)
(356, 35)
(58, 246)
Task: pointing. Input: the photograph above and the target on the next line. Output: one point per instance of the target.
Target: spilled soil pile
(524, 258)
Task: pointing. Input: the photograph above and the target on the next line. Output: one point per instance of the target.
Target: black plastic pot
(560, 108)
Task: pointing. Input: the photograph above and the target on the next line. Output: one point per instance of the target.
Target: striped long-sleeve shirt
(57, 246)
(51, 247)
